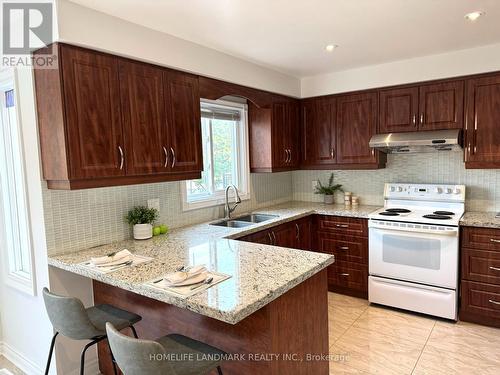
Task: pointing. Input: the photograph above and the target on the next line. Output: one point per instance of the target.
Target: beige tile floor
(373, 339)
(370, 339)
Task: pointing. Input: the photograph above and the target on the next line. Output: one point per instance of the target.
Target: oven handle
(453, 232)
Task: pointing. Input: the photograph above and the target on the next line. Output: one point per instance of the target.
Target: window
(15, 233)
(225, 155)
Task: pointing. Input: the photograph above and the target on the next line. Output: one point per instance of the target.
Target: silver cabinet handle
(421, 119)
(414, 119)
(332, 153)
(494, 268)
(373, 152)
(286, 156)
(270, 238)
(342, 225)
(173, 157)
(274, 238)
(297, 228)
(343, 274)
(346, 248)
(494, 302)
(166, 157)
(290, 153)
(494, 240)
(122, 157)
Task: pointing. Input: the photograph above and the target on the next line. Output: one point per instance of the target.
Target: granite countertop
(480, 219)
(260, 273)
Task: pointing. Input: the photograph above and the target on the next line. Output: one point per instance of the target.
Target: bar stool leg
(51, 350)
(219, 370)
(82, 358)
(134, 332)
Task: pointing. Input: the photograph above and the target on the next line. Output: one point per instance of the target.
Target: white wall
(87, 27)
(470, 61)
(26, 329)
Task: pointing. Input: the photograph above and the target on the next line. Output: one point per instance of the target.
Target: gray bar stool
(71, 319)
(139, 357)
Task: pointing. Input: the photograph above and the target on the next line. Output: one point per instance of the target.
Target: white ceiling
(290, 35)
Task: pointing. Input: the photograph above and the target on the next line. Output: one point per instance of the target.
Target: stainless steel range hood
(416, 142)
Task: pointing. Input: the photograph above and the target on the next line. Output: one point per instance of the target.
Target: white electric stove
(413, 248)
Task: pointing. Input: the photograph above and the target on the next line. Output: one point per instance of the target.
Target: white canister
(143, 231)
(328, 198)
(355, 200)
(347, 198)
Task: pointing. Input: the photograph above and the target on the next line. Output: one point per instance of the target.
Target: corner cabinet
(105, 120)
(274, 135)
(482, 126)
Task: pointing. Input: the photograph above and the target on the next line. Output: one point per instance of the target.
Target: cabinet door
(398, 110)
(441, 106)
(262, 237)
(183, 106)
(324, 131)
(284, 235)
(303, 234)
(144, 118)
(483, 123)
(307, 145)
(92, 109)
(280, 135)
(294, 134)
(357, 117)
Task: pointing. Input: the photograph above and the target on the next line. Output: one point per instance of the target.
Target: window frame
(243, 164)
(13, 274)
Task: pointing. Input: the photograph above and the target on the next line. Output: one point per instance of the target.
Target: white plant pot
(143, 231)
(328, 199)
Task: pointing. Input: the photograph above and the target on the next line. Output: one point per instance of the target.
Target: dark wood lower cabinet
(348, 278)
(480, 303)
(294, 323)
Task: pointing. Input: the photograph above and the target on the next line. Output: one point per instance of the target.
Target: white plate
(193, 280)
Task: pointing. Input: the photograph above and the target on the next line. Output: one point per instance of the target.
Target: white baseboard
(20, 361)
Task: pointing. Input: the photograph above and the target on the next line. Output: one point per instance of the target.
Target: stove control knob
(449, 191)
(393, 188)
(400, 189)
(438, 190)
(457, 191)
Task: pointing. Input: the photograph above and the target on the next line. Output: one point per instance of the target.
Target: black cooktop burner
(446, 213)
(386, 213)
(398, 210)
(437, 217)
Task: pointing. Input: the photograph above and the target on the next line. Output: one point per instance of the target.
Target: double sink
(244, 221)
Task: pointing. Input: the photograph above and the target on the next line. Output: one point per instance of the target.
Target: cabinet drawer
(481, 265)
(481, 299)
(342, 225)
(345, 248)
(481, 238)
(348, 275)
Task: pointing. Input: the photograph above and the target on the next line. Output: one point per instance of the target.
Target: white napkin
(181, 276)
(120, 257)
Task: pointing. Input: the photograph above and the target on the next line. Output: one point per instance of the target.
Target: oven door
(426, 254)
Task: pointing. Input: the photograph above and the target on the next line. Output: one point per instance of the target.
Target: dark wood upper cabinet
(273, 135)
(105, 120)
(92, 113)
(144, 118)
(482, 146)
(437, 106)
(356, 123)
(441, 106)
(318, 131)
(398, 110)
(183, 106)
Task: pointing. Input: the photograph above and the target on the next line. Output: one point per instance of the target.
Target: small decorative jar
(355, 200)
(328, 198)
(347, 198)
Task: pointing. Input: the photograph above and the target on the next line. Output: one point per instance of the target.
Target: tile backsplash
(482, 185)
(84, 218)
(80, 219)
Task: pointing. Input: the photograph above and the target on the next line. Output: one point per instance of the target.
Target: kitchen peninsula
(274, 303)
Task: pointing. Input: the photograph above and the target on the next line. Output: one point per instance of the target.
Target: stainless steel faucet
(228, 210)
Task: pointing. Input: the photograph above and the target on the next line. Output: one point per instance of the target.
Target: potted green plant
(328, 191)
(142, 218)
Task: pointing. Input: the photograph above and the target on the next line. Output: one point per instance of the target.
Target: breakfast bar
(270, 315)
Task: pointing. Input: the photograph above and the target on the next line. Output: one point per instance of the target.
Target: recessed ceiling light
(473, 16)
(330, 47)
